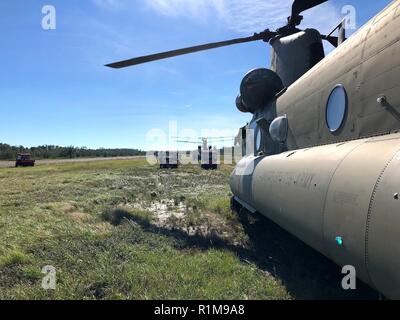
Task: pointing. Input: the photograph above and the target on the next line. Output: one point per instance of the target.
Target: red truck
(24, 160)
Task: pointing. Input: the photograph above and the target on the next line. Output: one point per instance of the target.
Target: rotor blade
(265, 35)
(222, 141)
(220, 138)
(183, 141)
(302, 5)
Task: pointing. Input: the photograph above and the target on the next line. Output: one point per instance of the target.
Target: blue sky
(55, 90)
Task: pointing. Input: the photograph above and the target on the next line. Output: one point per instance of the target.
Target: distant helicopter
(326, 158)
(206, 156)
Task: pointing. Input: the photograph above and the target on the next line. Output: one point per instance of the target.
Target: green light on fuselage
(339, 241)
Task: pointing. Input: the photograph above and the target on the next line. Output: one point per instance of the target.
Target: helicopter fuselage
(336, 175)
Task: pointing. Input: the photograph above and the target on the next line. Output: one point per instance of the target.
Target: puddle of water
(163, 210)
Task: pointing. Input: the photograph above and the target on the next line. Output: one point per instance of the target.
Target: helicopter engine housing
(292, 56)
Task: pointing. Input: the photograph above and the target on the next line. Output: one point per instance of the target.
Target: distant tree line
(8, 152)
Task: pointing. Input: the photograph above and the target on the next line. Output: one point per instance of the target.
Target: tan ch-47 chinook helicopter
(326, 164)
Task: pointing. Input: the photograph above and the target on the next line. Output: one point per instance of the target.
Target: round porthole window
(336, 108)
(258, 139)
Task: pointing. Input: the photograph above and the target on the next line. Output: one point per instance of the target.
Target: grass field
(126, 230)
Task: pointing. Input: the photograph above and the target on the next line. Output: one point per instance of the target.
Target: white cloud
(241, 16)
(179, 8)
(244, 16)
